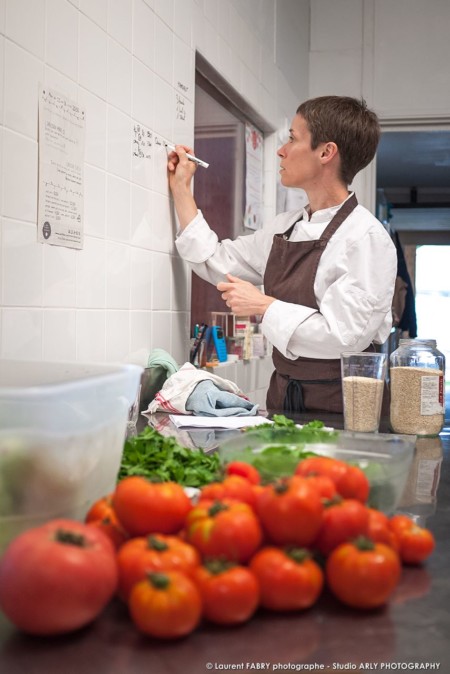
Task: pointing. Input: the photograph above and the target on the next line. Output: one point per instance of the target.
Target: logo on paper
(46, 230)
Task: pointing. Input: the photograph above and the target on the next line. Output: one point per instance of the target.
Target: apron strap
(293, 399)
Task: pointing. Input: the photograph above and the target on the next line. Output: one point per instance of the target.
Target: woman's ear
(329, 150)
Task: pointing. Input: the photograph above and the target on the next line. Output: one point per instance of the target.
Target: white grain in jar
(362, 403)
(416, 406)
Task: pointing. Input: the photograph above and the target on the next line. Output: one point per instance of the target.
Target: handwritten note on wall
(181, 107)
(142, 142)
(61, 159)
(146, 144)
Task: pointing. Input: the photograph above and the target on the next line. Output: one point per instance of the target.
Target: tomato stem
(157, 544)
(216, 508)
(298, 555)
(363, 543)
(281, 487)
(159, 580)
(70, 538)
(216, 566)
(335, 500)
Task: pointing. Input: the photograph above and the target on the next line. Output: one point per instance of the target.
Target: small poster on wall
(254, 177)
(61, 160)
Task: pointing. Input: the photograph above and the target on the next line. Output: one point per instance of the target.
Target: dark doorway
(219, 191)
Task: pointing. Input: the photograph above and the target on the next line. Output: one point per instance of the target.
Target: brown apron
(304, 384)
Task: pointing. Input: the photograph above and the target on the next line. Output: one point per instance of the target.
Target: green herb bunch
(160, 458)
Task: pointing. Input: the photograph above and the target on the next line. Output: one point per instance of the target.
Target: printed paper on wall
(61, 160)
(253, 178)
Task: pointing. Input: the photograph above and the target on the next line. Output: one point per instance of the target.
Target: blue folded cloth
(209, 400)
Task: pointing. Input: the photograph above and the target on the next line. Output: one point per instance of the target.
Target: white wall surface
(125, 62)
(394, 53)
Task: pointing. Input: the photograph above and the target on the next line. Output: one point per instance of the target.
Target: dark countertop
(412, 628)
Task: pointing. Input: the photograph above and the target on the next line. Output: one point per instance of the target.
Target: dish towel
(176, 390)
(208, 400)
(161, 357)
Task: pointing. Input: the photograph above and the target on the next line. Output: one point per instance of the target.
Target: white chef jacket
(354, 284)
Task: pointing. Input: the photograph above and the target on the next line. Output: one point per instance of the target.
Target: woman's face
(299, 165)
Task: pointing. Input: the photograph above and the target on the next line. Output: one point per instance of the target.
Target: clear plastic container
(62, 429)
(417, 377)
(385, 458)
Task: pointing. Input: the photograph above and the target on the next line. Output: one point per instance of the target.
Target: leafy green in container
(279, 461)
(283, 429)
(155, 456)
(275, 449)
(274, 461)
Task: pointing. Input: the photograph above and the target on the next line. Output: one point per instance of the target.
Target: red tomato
(324, 485)
(415, 543)
(258, 489)
(399, 523)
(321, 465)
(101, 508)
(102, 515)
(378, 529)
(111, 526)
(289, 579)
(341, 522)
(166, 605)
(57, 577)
(291, 511)
(244, 470)
(227, 529)
(350, 481)
(230, 593)
(353, 484)
(154, 553)
(363, 574)
(145, 507)
(233, 487)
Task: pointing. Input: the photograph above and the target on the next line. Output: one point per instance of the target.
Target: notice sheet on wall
(253, 178)
(61, 160)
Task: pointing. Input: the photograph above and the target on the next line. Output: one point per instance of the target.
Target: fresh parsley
(157, 457)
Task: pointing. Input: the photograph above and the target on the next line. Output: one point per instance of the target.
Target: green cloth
(164, 359)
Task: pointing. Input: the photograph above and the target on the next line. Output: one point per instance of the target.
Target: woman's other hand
(243, 298)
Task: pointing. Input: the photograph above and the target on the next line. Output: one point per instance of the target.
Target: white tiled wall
(394, 52)
(126, 62)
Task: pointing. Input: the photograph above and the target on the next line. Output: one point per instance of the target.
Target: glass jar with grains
(417, 387)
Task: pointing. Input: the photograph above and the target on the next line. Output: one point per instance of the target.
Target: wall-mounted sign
(253, 178)
(61, 162)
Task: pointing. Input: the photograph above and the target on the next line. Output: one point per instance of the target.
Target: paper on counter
(188, 421)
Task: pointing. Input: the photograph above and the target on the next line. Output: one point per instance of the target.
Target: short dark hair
(349, 123)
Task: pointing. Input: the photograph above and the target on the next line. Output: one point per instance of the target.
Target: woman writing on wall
(328, 271)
